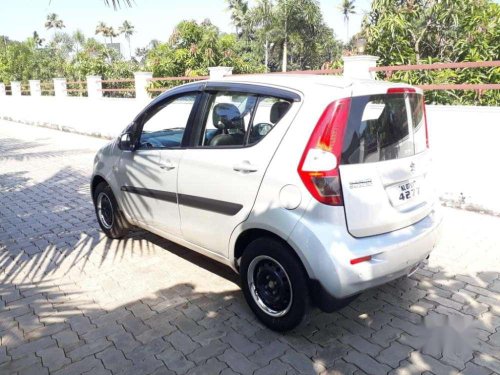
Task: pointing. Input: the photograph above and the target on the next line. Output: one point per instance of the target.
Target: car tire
(274, 284)
(109, 216)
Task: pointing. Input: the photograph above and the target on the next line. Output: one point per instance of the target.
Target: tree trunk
(266, 55)
(285, 43)
(129, 49)
(285, 55)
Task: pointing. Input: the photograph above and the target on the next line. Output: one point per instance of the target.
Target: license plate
(405, 192)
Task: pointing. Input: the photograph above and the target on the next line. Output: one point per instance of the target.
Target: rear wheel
(110, 218)
(274, 284)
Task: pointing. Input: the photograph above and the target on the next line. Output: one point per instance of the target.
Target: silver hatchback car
(313, 188)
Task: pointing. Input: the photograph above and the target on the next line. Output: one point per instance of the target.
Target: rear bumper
(327, 254)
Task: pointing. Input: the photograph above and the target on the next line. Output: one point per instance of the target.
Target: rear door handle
(167, 166)
(245, 167)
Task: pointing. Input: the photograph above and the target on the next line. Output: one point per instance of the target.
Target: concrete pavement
(73, 301)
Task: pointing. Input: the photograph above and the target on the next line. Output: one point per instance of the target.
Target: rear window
(379, 128)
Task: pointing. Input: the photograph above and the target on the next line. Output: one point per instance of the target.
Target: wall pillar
(35, 88)
(142, 80)
(2, 89)
(60, 87)
(15, 87)
(358, 66)
(218, 72)
(94, 86)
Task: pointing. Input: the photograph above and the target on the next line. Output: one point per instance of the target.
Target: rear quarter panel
(281, 185)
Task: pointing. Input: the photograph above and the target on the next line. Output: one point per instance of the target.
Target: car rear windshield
(379, 128)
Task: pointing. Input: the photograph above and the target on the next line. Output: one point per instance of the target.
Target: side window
(238, 119)
(267, 114)
(228, 119)
(165, 128)
(419, 132)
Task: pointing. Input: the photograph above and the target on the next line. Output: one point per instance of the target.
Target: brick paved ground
(72, 301)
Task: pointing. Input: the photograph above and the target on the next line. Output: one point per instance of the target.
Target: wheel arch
(96, 180)
(319, 296)
(248, 235)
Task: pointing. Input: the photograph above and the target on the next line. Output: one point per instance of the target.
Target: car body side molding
(157, 194)
(214, 205)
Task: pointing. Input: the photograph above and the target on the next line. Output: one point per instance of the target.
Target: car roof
(290, 80)
(311, 82)
(307, 84)
(295, 81)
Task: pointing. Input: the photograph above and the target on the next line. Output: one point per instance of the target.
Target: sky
(153, 19)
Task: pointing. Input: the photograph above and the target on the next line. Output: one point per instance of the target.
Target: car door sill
(180, 241)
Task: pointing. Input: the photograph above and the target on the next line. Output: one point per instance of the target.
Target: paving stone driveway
(72, 301)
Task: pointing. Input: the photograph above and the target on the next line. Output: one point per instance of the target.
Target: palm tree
(64, 43)
(118, 3)
(111, 33)
(153, 43)
(127, 29)
(101, 28)
(37, 40)
(347, 8)
(263, 15)
(140, 53)
(53, 22)
(79, 38)
(238, 9)
(294, 18)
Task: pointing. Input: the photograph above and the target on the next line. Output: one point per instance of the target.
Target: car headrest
(227, 116)
(278, 110)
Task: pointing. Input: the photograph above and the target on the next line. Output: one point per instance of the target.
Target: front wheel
(109, 216)
(274, 284)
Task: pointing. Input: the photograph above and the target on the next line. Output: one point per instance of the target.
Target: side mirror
(125, 142)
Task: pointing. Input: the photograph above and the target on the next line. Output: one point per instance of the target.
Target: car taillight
(318, 167)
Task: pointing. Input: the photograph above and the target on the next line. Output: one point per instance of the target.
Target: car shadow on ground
(49, 238)
(181, 329)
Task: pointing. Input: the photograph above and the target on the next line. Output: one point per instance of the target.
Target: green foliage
(194, 47)
(73, 57)
(281, 35)
(431, 31)
(94, 59)
(293, 32)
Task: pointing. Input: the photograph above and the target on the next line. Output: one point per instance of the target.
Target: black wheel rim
(105, 210)
(270, 286)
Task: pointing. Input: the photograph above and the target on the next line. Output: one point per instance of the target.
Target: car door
(148, 175)
(219, 177)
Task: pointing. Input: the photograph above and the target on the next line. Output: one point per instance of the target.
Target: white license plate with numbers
(404, 192)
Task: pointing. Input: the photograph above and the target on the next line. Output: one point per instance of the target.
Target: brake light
(425, 122)
(401, 90)
(318, 167)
